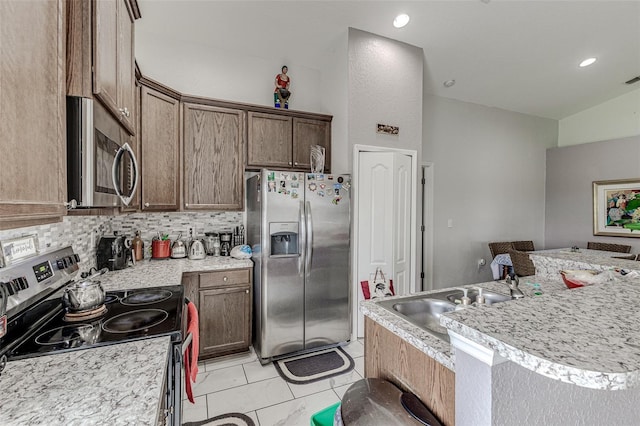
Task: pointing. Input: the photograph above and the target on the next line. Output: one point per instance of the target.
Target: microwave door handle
(126, 199)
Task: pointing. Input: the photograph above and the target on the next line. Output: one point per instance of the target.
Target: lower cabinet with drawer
(224, 300)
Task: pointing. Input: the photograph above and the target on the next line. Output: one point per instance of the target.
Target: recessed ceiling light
(587, 62)
(401, 20)
(449, 83)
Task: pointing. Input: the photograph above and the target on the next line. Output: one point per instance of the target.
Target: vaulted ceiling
(517, 55)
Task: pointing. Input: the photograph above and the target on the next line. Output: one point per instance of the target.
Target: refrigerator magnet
(295, 184)
(311, 176)
(312, 187)
(294, 193)
(336, 200)
(271, 176)
(320, 177)
(320, 193)
(323, 186)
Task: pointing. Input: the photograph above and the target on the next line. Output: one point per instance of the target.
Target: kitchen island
(114, 384)
(563, 357)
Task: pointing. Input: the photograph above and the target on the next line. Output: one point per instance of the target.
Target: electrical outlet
(92, 241)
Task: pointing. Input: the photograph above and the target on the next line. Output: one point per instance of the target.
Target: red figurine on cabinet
(281, 93)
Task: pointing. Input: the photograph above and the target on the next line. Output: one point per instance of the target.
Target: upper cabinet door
(113, 59)
(160, 149)
(32, 106)
(213, 157)
(126, 65)
(306, 133)
(269, 141)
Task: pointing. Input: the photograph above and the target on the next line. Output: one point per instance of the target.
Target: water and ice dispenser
(284, 238)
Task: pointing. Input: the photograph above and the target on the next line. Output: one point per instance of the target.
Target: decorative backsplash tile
(83, 232)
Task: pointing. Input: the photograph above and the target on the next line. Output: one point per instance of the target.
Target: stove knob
(60, 264)
(24, 284)
(7, 286)
(77, 258)
(13, 287)
(71, 261)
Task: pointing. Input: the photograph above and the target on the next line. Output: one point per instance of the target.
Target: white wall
(570, 173)
(385, 86)
(617, 118)
(489, 181)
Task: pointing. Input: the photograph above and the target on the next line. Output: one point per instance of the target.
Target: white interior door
(401, 223)
(384, 208)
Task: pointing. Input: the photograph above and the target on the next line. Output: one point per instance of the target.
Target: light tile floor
(241, 384)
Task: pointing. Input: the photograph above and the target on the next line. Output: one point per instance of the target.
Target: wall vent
(633, 80)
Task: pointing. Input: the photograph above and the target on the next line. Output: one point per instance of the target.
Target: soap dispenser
(464, 301)
(480, 300)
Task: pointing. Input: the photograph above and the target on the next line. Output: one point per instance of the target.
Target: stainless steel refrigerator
(298, 228)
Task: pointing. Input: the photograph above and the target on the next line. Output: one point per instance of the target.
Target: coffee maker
(113, 252)
(225, 243)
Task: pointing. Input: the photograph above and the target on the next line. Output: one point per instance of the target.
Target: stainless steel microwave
(102, 170)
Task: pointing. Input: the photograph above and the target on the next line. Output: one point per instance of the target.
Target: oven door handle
(187, 342)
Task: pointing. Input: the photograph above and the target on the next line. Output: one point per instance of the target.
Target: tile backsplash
(83, 232)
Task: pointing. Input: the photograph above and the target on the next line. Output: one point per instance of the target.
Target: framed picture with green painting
(616, 208)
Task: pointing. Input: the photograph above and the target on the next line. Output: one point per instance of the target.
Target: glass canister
(211, 241)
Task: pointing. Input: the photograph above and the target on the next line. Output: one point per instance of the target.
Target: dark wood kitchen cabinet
(270, 140)
(113, 59)
(213, 157)
(100, 55)
(32, 105)
(306, 133)
(160, 149)
(284, 140)
(224, 301)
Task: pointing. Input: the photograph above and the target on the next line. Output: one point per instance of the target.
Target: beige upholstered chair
(620, 248)
(522, 263)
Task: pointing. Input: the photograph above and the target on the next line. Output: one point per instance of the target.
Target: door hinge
(421, 274)
(424, 181)
(421, 228)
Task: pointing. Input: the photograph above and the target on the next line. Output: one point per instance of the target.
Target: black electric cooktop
(126, 316)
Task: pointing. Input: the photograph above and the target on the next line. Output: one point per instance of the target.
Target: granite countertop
(586, 336)
(115, 384)
(89, 387)
(429, 344)
(548, 262)
(575, 336)
(155, 273)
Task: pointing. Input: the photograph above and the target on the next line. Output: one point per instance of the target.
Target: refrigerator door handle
(309, 237)
(303, 238)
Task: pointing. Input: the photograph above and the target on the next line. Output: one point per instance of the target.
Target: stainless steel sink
(425, 310)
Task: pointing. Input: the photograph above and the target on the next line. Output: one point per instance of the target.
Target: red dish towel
(191, 352)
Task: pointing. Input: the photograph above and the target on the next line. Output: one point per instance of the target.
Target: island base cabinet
(389, 357)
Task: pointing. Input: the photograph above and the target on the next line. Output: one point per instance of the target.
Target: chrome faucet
(515, 292)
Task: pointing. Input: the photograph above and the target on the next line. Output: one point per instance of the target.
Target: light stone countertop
(111, 385)
(154, 273)
(428, 343)
(586, 336)
(549, 262)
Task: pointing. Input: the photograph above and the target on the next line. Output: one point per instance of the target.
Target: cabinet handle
(246, 291)
(146, 204)
(296, 163)
(124, 111)
(289, 162)
(225, 279)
